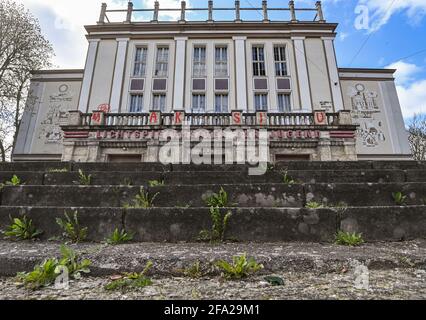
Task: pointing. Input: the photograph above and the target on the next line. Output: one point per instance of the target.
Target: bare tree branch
(417, 136)
(23, 49)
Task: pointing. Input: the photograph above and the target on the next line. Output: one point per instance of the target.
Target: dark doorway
(292, 157)
(125, 158)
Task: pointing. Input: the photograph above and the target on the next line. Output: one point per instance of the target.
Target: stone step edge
(224, 208)
(172, 259)
(217, 186)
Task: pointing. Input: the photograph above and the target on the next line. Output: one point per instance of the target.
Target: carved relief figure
(50, 131)
(366, 113)
(371, 133)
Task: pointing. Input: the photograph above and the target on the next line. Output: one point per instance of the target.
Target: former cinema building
(144, 74)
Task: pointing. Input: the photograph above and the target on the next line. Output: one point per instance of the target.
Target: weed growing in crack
(287, 179)
(83, 179)
(314, 205)
(131, 281)
(218, 199)
(220, 221)
(15, 181)
(119, 237)
(156, 183)
(71, 228)
(143, 200)
(241, 267)
(399, 198)
(45, 274)
(348, 239)
(22, 229)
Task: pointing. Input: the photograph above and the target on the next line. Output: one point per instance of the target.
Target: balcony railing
(204, 119)
(131, 14)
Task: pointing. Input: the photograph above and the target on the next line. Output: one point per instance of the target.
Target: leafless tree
(23, 49)
(417, 136)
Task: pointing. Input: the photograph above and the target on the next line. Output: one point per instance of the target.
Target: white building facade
(278, 75)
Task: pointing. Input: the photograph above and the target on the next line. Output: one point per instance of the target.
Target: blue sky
(371, 33)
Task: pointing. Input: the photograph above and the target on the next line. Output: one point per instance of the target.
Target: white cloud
(412, 98)
(405, 72)
(382, 10)
(411, 92)
(64, 21)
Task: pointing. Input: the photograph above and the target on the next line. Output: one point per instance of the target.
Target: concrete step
(240, 195)
(291, 165)
(230, 177)
(169, 259)
(245, 224)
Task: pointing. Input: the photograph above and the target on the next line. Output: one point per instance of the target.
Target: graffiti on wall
(366, 112)
(57, 109)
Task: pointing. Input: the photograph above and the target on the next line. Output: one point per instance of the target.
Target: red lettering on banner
(153, 118)
(96, 117)
(320, 118)
(178, 117)
(236, 116)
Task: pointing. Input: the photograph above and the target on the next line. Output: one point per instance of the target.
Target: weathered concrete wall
(372, 98)
(52, 95)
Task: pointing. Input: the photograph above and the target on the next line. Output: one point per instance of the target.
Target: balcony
(156, 119)
(210, 13)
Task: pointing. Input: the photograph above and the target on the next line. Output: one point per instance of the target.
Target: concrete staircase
(357, 197)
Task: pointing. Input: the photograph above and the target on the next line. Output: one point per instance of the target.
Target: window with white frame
(159, 102)
(198, 103)
(280, 61)
(199, 62)
(221, 103)
(139, 69)
(221, 61)
(261, 102)
(162, 62)
(258, 56)
(136, 103)
(284, 104)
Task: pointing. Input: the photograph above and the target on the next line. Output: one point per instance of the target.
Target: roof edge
(367, 70)
(58, 71)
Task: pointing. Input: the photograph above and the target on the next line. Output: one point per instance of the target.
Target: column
(272, 82)
(117, 84)
(88, 75)
(210, 61)
(333, 73)
(178, 95)
(240, 71)
(302, 72)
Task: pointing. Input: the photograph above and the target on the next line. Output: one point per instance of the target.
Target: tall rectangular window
(136, 103)
(159, 102)
(221, 62)
(261, 101)
(141, 55)
(284, 104)
(199, 62)
(221, 103)
(280, 61)
(198, 103)
(258, 56)
(162, 62)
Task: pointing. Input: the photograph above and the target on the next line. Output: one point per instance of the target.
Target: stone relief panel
(367, 109)
(57, 100)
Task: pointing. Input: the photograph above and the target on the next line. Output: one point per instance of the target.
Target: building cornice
(366, 70)
(176, 28)
(58, 71)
